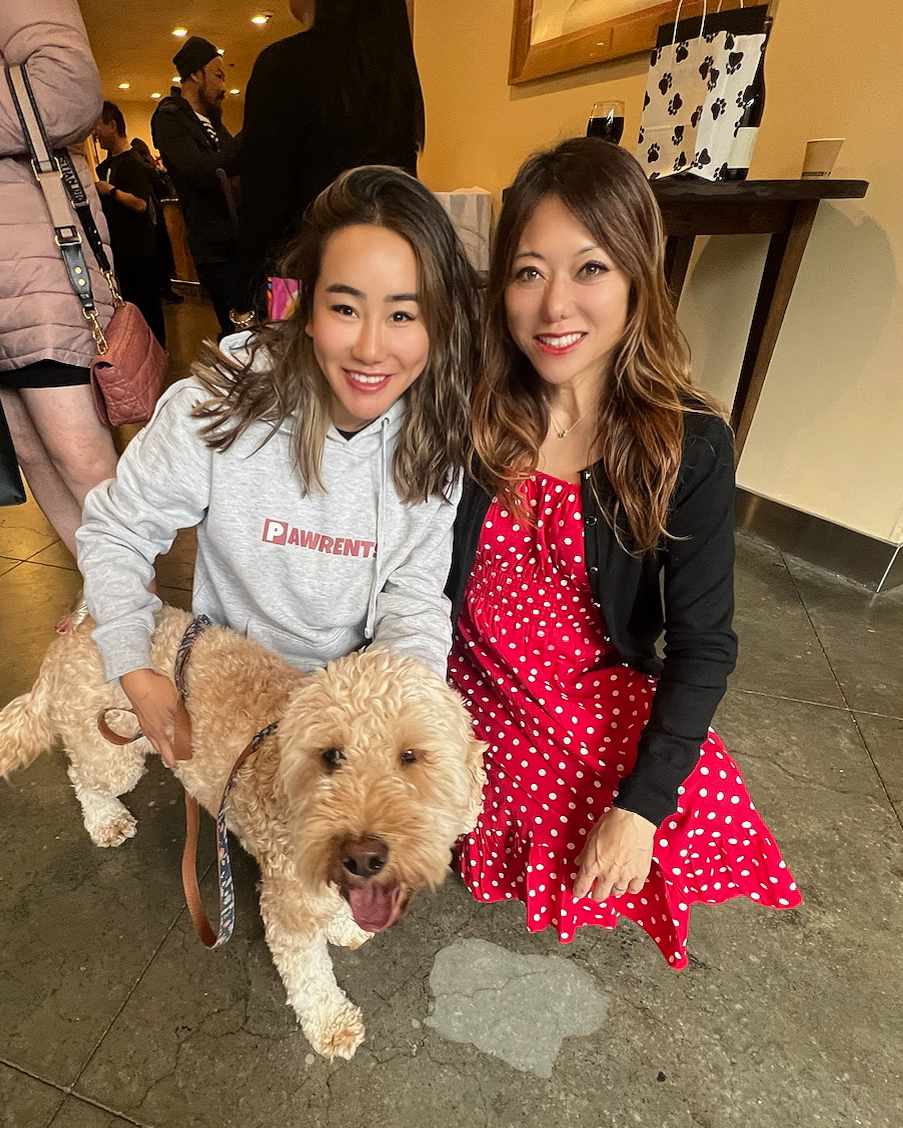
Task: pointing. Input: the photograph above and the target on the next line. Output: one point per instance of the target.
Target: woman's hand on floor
(616, 857)
(156, 703)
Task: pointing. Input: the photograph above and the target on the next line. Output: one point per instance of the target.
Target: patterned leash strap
(182, 734)
(202, 926)
(194, 631)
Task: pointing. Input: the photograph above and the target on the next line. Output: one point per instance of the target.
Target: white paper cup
(821, 153)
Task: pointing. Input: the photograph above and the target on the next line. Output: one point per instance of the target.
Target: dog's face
(382, 774)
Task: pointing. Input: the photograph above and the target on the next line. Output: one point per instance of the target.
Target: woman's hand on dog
(617, 856)
(157, 705)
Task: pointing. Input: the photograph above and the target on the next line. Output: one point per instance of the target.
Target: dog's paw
(337, 1033)
(344, 931)
(107, 821)
(113, 832)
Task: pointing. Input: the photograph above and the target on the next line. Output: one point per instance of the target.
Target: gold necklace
(563, 433)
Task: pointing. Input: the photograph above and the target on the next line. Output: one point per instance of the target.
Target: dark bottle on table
(740, 156)
(607, 121)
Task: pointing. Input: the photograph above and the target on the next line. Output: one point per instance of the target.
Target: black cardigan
(685, 588)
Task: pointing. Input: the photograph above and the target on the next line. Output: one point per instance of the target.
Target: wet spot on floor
(519, 1008)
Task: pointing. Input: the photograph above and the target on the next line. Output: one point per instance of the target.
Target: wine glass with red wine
(606, 121)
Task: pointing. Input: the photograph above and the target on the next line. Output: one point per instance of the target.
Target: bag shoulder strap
(57, 179)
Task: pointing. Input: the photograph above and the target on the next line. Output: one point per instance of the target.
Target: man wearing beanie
(195, 146)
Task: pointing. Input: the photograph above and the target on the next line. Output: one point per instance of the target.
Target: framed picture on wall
(551, 37)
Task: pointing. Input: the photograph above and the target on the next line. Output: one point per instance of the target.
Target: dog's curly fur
(356, 799)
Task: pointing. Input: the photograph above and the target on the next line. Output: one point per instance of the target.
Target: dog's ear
(473, 759)
(476, 749)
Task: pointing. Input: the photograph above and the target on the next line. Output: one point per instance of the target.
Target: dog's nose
(366, 857)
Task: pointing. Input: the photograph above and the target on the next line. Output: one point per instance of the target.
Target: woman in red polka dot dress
(600, 519)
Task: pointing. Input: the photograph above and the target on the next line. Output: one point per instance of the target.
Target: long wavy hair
(282, 380)
(371, 88)
(647, 390)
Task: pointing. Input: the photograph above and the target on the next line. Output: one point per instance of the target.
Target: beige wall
(828, 434)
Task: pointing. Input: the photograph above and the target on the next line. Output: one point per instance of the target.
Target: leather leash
(182, 743)
(209, 938)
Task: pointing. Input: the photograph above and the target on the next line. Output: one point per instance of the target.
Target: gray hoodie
(311, 578)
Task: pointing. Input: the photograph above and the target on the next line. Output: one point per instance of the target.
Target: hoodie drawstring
(382, 490)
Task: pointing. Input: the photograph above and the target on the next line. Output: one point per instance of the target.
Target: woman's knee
(79, 445)
(82, 465)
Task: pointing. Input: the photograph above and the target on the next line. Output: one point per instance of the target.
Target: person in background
(45, 343)
(600, 517)
(124, 186)
(162, 189)
(189, 133)
(343, 92)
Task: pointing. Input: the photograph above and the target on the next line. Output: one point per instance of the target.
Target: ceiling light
(179, 32)
(262, 18)
(156, 94)
(235, 90)
(175, 78)
(221, 50)
(124, 85)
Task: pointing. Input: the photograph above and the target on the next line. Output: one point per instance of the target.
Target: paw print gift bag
(699, 75)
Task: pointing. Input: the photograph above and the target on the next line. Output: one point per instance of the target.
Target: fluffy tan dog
(349, 807)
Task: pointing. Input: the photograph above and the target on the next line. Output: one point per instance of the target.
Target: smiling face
(567, 302)
(366, 324)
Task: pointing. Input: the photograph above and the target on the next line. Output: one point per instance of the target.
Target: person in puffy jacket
(45, 342)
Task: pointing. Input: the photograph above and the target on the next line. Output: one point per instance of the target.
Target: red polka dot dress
(562, 716)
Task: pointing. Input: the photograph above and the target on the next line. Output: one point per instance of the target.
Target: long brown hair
(282, 379)
(640, 422)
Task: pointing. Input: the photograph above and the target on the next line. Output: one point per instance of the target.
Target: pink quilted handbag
(127, 376)
(127, 371)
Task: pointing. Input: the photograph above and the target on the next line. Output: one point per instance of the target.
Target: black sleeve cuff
(651, 789)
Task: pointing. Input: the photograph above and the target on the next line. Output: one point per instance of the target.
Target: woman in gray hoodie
(319, 458)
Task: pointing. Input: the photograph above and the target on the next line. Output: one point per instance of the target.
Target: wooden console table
(783, 209)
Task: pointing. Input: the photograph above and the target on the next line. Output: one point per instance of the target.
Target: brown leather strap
(181, 739)
(181, 743)
(110, 734)
(190, 874)
(202, 926)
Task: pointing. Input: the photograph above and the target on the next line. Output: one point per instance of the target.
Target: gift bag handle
(701, 22)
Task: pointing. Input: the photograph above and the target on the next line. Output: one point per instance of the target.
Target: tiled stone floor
(112, 1014)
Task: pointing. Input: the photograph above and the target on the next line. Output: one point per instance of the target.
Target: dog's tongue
(373, 906)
